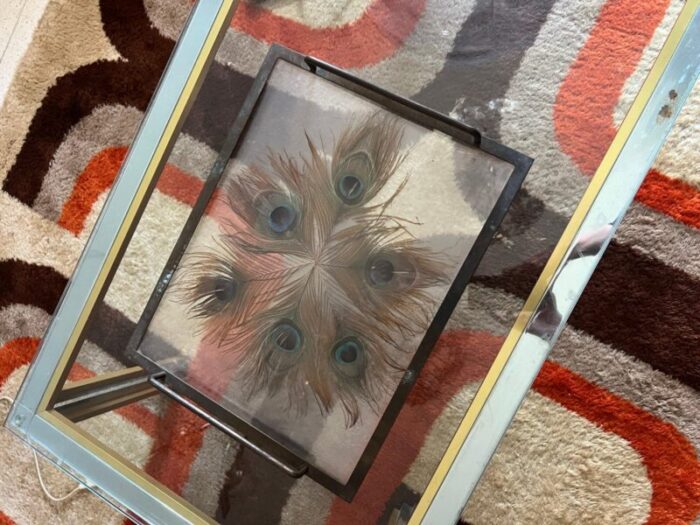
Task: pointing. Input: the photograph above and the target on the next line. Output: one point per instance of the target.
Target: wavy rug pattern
(610, 432)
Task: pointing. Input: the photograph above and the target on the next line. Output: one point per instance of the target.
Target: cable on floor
(44, 488)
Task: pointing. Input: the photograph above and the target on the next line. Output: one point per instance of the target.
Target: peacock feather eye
(212, 289)
(282, 218)
(351, 184)
(224, 288)
(390, 271)
(277, 214)
(380, 271)
(347, 351)
(349, 356)
(286, 337)
(350, 188)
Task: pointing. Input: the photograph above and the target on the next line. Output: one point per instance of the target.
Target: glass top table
(329, 269)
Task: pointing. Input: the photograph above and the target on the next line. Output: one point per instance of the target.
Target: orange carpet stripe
(672, 197)
(16, 353)
(584, 106)
(177, 184)
(586, 101)
(98, 176)
(672, 466)
(5, 520)
(374, 36)
(180, 436)
(141, 417)
(78, 372)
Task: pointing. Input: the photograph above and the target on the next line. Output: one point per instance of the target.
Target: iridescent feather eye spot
(350, 188)
(282, 219)
(388, 271)
(277, 214)
(286, 337)
(351, 183)
(349, 356)
(380, 271)
(212, 294)
(224, 289)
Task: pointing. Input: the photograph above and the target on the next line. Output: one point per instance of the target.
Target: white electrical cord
(47, 493)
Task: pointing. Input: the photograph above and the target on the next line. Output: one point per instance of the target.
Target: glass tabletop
(233, 211)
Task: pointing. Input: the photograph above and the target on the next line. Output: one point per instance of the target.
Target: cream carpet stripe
(146, 254)
(304, 495)
(573, 470)
(321, 13)
(537, 461)
(22, 320)
(209, 469)
(29, 237)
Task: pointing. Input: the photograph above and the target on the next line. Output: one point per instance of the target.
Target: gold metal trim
(557, 257)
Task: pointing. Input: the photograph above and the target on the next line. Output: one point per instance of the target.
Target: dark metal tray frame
(263, 440)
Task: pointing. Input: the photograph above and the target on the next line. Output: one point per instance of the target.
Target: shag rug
(610, 432)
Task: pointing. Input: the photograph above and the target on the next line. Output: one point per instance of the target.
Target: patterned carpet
(610, 432)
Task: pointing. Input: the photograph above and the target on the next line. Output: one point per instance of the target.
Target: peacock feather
(322, 287)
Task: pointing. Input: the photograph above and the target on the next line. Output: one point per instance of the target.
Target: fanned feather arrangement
(322, 287)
